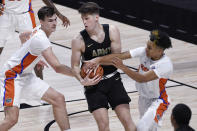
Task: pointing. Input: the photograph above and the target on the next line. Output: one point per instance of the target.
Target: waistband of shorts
(16, 13)
(109, 75)
(105, 77)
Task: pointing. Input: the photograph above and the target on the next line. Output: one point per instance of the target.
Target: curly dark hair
(160, 38)
(182, 114)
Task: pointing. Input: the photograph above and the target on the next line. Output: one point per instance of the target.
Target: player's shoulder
(165, 61)
(77, 38)
(77, 41)
(113, 28)
(40, 34)
(39, 38)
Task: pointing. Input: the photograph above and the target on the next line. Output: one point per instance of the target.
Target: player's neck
(157, 57)
(96, 31)
(46, 32)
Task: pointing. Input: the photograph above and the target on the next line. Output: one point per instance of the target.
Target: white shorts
(151, 113)
(9, 23)
(13, 88)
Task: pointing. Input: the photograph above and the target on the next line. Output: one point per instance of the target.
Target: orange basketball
(98, 71)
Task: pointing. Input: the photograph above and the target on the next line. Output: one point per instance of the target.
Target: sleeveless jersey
(94, 49)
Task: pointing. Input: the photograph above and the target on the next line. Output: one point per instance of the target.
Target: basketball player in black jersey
(94, 41)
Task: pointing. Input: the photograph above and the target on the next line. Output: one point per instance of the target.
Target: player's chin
(147, 54)
(53, 29)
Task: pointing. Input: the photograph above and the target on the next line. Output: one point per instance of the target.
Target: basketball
(97, 71)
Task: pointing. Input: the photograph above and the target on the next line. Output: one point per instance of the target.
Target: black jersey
(94, 49)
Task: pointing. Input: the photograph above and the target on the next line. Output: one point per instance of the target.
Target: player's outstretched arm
(114, 34)
(55, 64)
(76, 57)
(148, 76)
(63, 18)
(108, 58)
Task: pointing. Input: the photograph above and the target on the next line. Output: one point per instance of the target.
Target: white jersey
(163, 68)
(25, 59)
(17, 6)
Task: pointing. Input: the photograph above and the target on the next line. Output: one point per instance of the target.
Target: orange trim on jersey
(164, 97)
(144, 68)
(163, 94)
(9, 88)
(31, 13)
(25, 62)
(160, 110)
(32, 19)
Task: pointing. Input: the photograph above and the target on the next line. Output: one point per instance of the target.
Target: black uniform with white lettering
(94, 49)
(109, 90)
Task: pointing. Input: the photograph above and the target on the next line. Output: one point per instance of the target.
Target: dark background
(177, 17)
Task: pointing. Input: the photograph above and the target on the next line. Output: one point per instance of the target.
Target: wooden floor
(180, 89)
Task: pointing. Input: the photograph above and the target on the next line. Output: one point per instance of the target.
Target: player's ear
(41, 22)
(97, 17)
(172, 120)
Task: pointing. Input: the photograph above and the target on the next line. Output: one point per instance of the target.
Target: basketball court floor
(181, 87)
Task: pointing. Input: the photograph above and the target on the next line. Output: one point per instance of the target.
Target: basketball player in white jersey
(18, 15)
(154, 70)
(17, 77)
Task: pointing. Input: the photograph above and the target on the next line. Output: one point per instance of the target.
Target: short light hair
(89, 8)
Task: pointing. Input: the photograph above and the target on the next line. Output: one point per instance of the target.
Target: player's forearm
(107, 59)
(63, 69)
(133, 75)
(50, 3)
(76, 73)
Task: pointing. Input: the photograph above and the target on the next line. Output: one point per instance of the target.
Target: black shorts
(110, 91)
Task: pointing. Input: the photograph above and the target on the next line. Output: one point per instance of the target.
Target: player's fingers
(97, 79)
(114, 64)
(87, 70)
(38, 67)
(115, 59)
(95, 69)
(88, 73)
(44, 64)
(68, 21)
(1, 13)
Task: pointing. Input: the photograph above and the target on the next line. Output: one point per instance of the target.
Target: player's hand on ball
(87, 81)
(91, 64)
